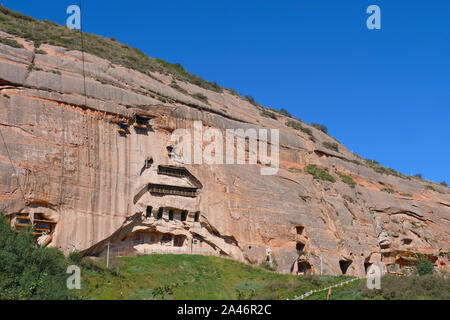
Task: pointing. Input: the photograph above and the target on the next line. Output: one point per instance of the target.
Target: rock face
(66, 168)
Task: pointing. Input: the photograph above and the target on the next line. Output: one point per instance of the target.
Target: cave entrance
(304, 268)
(300, 246)
(344, 264)
(367, 266)
(148, 211)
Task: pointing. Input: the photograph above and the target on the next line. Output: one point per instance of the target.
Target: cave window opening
(178, 241)
(344, 264)
(183, 215)
(140, 122)
(300, 246)
(170, 214)
(197, 217)
(299, 229)
(160, 213)
(304, 268)
(166, 239)
(148, 211)
(148, 162)
(367, 266)
(406, 241)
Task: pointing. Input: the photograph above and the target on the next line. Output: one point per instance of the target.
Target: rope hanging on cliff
(85, 96)
(12, 165)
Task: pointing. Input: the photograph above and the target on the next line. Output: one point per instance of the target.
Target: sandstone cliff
(63, 160)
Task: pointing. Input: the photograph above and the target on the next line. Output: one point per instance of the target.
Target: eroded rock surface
(66, 168)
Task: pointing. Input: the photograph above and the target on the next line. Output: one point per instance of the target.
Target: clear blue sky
(385, 94)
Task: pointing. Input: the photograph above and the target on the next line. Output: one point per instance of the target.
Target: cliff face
(63, 160)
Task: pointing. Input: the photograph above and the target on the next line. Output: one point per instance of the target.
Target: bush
(39, 51)
(388, 190)
(11, 43)
(346, 179)
(28, 272)
(331, 145)
(383, 170)
(443, 183)
(200, 97)
(294, 124)
(424, 266)
(319, 173)
(284, 112)
(409, 288)
(251, 100)
(298, 126)
(268, 114)
(320, 127)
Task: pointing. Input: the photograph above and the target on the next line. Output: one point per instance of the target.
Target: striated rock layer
(62, 160)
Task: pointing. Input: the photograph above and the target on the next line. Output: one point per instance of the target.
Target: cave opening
(300, 246)
(344, 264)
(367, 266)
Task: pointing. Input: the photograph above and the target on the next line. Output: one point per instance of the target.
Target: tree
(424, 266)
(283, 111)
(28, 272)
(320, 127)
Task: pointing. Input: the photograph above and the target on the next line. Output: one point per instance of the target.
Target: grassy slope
(194, 277)
(51, 33)
(428, 287)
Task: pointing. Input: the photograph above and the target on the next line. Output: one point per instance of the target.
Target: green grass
(346, 179)
(426, 287)
(319, 173)
(193, 277)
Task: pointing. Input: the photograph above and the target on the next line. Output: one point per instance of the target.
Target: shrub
(11, 43)
(382, 170)
(200, 97)
(424, 266)
(348, 198)
(294, 124)
(284, 112)
(320, 127)
(298, 126)
(268, 114)
(443, 183)
(346, 179)
(388, 190)
(251, 100)
(28, 272)
(331, 145)
(178, 88)
(418, 175)
(39, 51)
(319, 173)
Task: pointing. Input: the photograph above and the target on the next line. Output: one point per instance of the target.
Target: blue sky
(385, 94)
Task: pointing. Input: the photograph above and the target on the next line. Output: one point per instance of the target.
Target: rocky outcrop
(63, 159)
